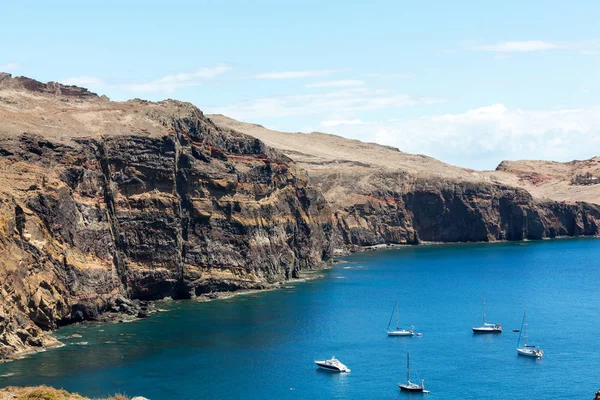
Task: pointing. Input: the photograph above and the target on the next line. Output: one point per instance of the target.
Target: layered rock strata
(381, 195)
(101, 202)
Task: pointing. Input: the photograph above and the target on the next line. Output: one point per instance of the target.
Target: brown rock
(101, 201)
(381, 195)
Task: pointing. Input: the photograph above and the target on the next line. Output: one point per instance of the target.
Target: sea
(263, 345)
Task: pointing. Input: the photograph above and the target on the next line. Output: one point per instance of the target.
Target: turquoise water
(263, 345)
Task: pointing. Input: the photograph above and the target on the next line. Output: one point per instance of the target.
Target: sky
(471, 83)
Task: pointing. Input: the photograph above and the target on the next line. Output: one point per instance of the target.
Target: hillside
(569, 181)
(382, 195)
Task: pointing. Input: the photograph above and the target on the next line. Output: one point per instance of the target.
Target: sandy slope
(321, 153)
(551, 179)
(321, 150)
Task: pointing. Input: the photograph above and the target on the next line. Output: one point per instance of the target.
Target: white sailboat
(527, 349)
(409, 386)
(486, 327)
(398, 331)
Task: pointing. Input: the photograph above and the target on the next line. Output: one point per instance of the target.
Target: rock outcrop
(101, 202)
(400, 211)
(381, 195)
(572, 181)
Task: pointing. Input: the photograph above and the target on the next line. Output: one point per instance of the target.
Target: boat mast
(407, 367)
(484, 305)
(396, 314)
(484, 312)
(525, 328)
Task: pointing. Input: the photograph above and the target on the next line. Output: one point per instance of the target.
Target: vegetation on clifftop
(48, 393)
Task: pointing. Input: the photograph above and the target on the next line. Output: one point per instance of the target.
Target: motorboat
(332, 364)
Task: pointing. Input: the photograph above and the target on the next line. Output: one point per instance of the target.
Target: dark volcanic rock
(461, 212)
(380, 195)
(101, 201)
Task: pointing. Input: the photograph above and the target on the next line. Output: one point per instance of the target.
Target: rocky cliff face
(461, 212)
(383, 196)
(577, 180)
(396, 209)
(101, 201)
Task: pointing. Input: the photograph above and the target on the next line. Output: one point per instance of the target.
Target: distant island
(105, 206)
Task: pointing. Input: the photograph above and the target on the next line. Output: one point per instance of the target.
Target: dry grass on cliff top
(30, 106)
(553, 180)
(321, 153)
(46, 393)
(315, 151)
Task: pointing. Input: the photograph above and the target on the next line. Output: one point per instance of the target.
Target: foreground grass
(44, 393)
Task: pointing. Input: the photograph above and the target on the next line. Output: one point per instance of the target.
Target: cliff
(577, 180)
(107, 205)
(102, 202)
(381, 195)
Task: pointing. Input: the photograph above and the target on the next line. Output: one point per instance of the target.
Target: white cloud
(166, 84)
(309, 73)
(170, 83)
(9, 67)
(482, 137)
(398, 75)
(85, 81)
(345, 101)
(520, 46)
(341, 122)
(338, 83)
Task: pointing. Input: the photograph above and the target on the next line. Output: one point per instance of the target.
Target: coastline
(206, 330)
(341, 252)
(109, 317)
(152, 307)
(305, 276)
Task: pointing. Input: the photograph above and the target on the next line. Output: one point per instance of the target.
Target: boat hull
(487, 330)
(332, 368)
(530, 353)
(401, 333)
(411, 388)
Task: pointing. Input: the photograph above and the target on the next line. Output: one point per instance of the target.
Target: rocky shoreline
(124, 310)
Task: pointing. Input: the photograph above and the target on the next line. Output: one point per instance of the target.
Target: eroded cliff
(381, 195)
(103, 201)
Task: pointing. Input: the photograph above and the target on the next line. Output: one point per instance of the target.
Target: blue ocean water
(263, 345)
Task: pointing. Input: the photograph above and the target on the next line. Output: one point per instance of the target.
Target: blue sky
(468, 82)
